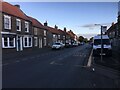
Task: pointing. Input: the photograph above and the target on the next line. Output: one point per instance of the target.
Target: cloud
(88, 36)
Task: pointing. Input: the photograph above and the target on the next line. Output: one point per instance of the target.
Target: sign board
(104, 29)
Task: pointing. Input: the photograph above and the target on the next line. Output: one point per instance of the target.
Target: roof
(13, 10)
(112, 28)
(52, 30)
(35, 22)
(61, 31)
(72, 35)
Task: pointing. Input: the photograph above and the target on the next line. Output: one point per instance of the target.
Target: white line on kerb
(52, 62)
(90, 59)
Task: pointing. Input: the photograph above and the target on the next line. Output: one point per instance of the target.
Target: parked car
(107, 48)
(57, 45)
(75, 44)
(67, 45)
(82, 43)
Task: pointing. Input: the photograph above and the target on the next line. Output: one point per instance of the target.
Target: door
(40, 42)
(19, 43)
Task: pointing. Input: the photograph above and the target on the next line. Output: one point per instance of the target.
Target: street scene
(57, 45)
(66, 68)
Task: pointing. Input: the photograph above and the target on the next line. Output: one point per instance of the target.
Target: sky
(72, 15)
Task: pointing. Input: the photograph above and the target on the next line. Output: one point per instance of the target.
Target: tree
(81, 38)
(85, 40)
(91, 39)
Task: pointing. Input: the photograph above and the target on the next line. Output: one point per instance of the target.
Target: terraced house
(54, 34)
(17, 31)
(39, 34)
(20, 32)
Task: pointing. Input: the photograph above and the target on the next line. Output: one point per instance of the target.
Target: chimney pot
(18, 6)
(65, 29)
(56, 27)
(46, 24)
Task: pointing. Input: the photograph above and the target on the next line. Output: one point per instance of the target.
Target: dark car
(67, 45)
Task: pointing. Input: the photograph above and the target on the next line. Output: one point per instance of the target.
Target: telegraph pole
(101, 45)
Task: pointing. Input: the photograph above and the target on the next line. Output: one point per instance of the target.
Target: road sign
(104, 29)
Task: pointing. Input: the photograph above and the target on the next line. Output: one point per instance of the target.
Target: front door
(40, 43)
(19, 43)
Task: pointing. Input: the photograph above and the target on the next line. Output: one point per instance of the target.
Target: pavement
(112, 62)
(109, 66)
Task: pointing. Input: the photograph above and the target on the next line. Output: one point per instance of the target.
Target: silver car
(57, 45)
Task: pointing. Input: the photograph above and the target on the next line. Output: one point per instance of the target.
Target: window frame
(45, 33)
(7, 22)
(35, 31)
(45, 41)
(8, 42)
(29, 44)
(18, 20)
(26, 26)
(36, 43)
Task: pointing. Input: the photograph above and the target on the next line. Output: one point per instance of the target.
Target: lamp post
(101, 44)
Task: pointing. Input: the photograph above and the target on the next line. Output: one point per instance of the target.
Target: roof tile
(13, 10)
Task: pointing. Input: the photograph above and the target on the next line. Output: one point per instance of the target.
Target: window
(7, 22)
(30, 41)
(104, 41)
(54, 35)
(35, 31)
(18, 24)
(27, 41)
(63, 37)
(58, 36)
(8, 42)
(44, 41)
(35, 41)
(44, 32)
(26, 26)
(11, 41)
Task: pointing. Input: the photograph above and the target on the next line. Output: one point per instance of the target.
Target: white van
(107, 48)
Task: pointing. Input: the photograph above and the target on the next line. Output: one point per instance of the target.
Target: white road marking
(17, 61)
(90, 59)
(52, 62)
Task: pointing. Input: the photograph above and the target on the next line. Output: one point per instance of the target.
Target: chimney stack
(112, 23)
(65, 29)
(18, 6)
(46, 24)
(56, 27)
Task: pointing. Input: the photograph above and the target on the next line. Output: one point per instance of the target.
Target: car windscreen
(98, 41)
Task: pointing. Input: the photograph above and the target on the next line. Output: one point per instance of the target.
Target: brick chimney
(18, 6)
(65, 29)
(46, 24)
(56, 27)
(113, 24)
